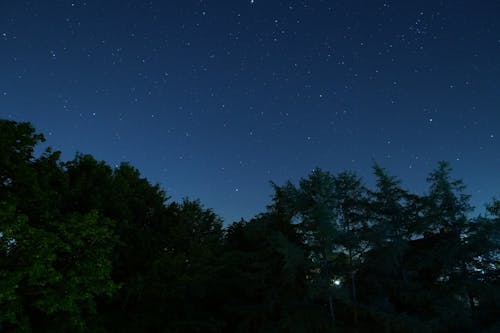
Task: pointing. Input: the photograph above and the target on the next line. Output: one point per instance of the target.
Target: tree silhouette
(89, 248)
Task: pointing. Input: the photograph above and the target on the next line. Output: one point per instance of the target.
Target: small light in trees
(336, 282)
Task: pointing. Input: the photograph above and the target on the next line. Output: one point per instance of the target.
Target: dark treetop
(85, 247)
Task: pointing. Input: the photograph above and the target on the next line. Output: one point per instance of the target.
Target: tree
(439, 258)
(483, 244)
(385, 277)
(311, 207)
(87, 247)
(352, 241)
(17, 142)
(53, 265)
(330, 213)
(266, 278)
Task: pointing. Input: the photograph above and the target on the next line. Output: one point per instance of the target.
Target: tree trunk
(354, 301)
(332, 313)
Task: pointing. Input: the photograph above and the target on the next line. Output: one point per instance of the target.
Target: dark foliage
(89, 248)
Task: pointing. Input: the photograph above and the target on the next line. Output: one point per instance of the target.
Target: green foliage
(53, 270)
(89, 248)
(52, 264)
(17, 142)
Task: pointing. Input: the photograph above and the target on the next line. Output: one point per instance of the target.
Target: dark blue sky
(215, 98)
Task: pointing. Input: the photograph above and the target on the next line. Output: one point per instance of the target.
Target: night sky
(213, 99)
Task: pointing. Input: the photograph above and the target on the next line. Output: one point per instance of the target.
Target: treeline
(89, 248)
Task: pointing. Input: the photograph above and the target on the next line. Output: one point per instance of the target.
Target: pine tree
(311, 207)
(439, 258)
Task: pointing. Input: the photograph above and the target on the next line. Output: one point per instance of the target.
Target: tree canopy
(85, 247)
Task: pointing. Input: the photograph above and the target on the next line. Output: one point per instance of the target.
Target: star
(321, 85)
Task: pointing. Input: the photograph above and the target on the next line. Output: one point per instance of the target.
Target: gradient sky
(213, 99)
